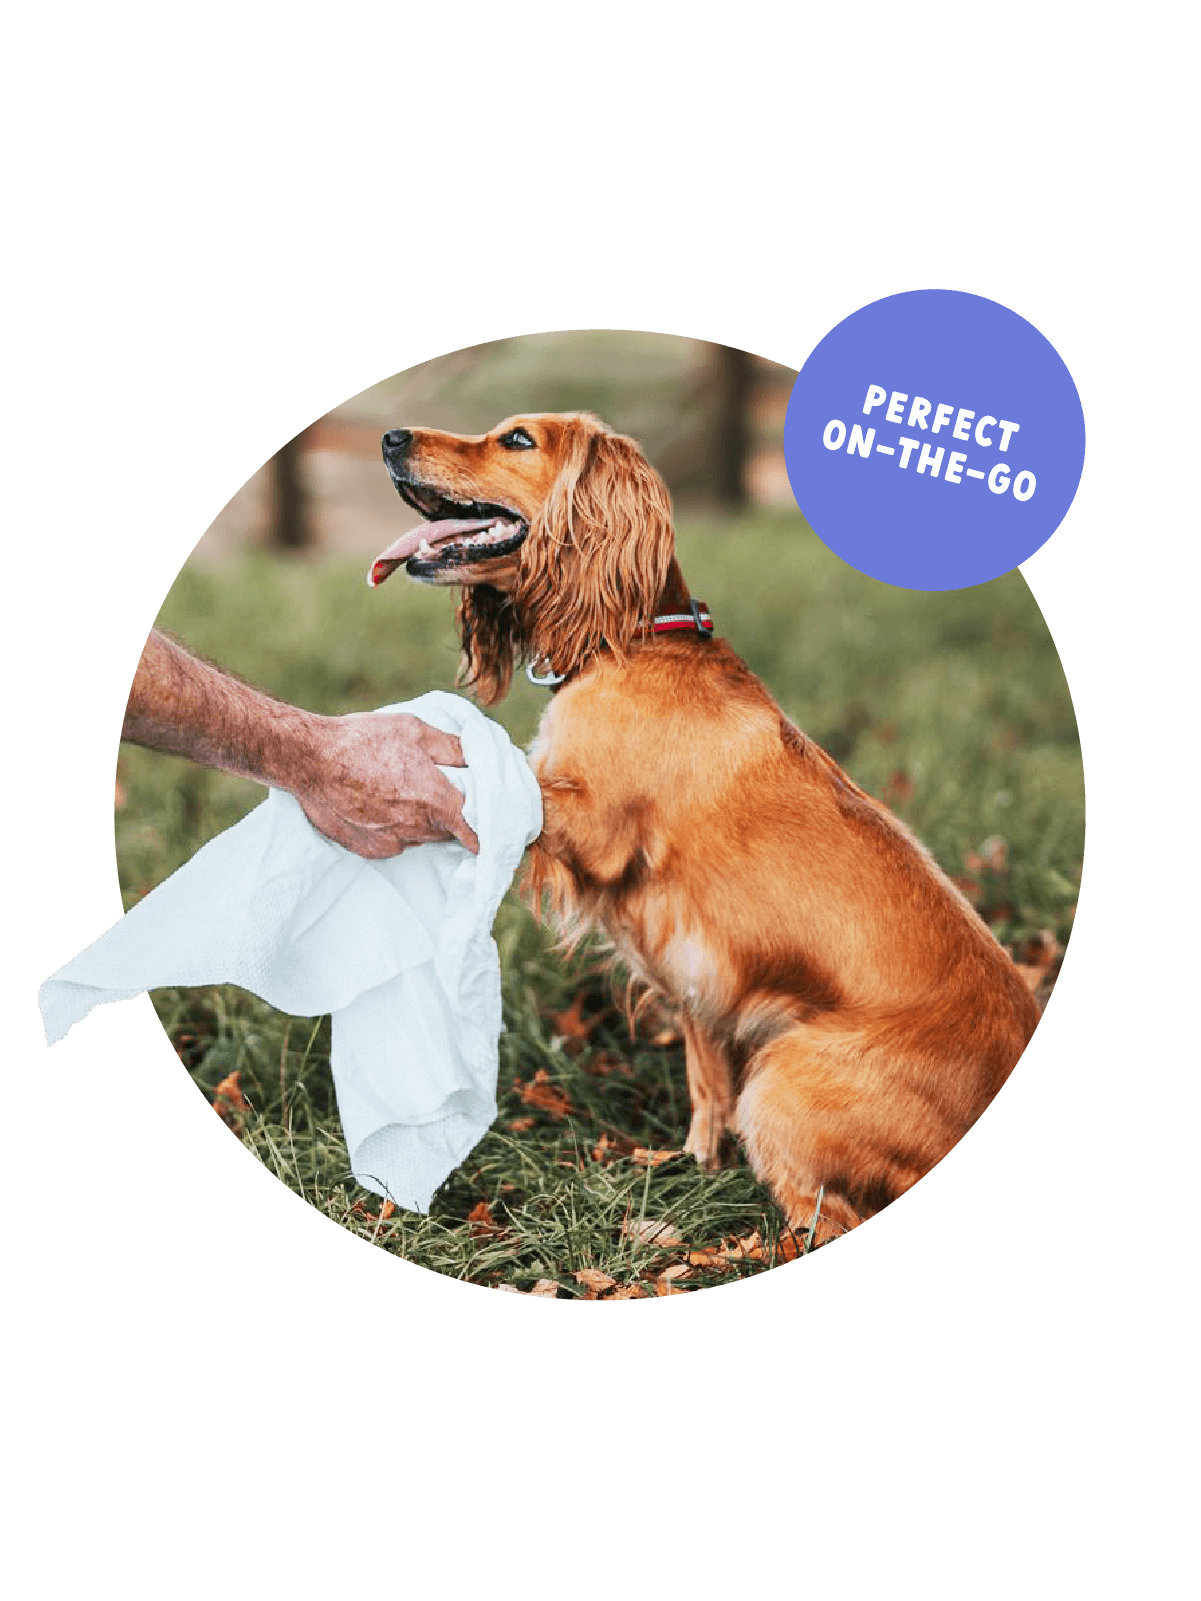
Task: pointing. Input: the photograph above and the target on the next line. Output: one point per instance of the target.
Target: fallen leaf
(481, 1220)
(648, 1158)
(229, 1103)
(651, 1231)
(543, 1095)
(547, 1287)
(594, 1280)
(707, 1258)
(577, 1024)
(629, 1292)
(518, 1125)
(678, 1270)
(790, 1245)
(231, 1090)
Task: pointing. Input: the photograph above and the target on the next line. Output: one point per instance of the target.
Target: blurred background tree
(709, 417)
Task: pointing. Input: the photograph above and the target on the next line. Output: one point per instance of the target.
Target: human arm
(368, 781)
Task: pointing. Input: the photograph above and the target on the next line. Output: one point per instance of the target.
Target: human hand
(373, 784)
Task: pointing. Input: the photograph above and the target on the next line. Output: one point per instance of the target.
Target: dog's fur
(845, 1011)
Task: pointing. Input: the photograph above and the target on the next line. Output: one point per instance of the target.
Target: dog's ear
(598, 554)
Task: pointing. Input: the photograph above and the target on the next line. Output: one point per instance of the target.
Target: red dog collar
(697, 618)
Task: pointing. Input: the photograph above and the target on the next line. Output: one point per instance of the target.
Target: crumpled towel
(399, 951)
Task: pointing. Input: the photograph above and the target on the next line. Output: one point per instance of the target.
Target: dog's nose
(397, 440)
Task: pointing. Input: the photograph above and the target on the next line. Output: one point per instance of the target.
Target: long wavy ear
(487, 623)
(598, 554)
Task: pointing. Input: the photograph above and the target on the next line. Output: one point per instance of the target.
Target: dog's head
(558, 530)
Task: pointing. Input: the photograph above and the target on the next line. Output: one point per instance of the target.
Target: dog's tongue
(399, 551)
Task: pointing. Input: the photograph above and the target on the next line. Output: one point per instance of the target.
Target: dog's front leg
(711, 1090)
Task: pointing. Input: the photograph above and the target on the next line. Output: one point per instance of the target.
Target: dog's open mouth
(456, 533)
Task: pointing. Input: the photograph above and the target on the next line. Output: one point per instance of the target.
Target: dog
(846, 1014)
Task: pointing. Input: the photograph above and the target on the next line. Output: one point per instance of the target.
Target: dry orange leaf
(229, 1103)
(789, 1246)
(648, 1158)
(574, 1026)
(518, 1125)
(594, 1278)
(481, 1220)
(546, 1287)
(603, 1150)
(544, 1095)
(230, 1089)
(707, 1258)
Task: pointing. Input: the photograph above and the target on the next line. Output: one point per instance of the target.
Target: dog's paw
(706, 1137)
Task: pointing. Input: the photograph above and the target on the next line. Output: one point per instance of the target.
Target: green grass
(953, 707)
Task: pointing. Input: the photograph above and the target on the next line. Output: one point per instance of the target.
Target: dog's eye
(516, 439)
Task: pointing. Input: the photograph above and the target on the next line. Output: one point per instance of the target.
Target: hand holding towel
(400, 952)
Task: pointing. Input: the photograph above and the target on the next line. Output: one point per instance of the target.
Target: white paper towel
(399, 951)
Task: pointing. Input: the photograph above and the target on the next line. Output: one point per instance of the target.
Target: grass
(952, 707)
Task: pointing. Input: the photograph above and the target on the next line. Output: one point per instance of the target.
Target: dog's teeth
(423, 548)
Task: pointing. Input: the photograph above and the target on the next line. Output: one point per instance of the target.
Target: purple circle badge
(934, 439)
